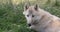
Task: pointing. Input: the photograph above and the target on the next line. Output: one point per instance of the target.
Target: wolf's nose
(29, 24)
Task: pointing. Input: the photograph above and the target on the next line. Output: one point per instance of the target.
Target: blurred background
(12, 18)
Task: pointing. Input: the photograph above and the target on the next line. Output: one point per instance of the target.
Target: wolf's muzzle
(29, 25)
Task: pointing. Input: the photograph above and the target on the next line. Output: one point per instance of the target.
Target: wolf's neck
(45, 20)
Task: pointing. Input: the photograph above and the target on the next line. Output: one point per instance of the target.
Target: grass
(12, 19)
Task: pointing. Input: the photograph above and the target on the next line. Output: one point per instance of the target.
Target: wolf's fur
(42, 21)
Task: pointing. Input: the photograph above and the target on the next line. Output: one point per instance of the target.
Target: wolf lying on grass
(40, 20)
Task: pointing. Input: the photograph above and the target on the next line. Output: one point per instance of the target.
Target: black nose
(29, 24)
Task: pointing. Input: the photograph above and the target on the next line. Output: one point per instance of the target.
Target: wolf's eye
(27, 15)
(32, 15)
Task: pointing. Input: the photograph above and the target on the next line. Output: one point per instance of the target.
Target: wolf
(40, 20)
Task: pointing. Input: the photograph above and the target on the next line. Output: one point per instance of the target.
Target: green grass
(13, 20)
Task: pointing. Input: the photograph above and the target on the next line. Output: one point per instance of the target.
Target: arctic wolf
(41, 20)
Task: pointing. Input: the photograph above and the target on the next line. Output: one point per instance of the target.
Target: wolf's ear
(26, 6)
(36, 7)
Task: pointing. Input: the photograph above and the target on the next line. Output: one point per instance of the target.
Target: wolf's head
(32, 14)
